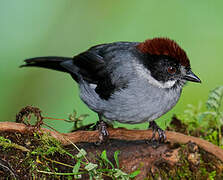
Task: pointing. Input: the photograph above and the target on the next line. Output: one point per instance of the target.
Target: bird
(127, 82)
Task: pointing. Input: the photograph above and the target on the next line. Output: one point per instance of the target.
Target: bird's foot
(161, 135)
(103, 132)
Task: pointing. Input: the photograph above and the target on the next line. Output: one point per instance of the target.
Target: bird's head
(167, 62)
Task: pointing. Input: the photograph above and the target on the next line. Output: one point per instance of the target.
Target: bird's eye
(171, 70)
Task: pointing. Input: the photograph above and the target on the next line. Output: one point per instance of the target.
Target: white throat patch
(145, 73)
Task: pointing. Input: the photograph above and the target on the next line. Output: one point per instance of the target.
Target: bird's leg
(161, 133)
(103, 132)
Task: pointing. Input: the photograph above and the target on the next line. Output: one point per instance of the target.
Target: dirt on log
(181, 157)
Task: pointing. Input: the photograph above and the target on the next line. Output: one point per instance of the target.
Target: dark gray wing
(92, 68)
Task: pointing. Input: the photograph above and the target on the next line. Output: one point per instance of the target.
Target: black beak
(190, 76)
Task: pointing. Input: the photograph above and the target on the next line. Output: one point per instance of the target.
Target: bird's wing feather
(91, 67)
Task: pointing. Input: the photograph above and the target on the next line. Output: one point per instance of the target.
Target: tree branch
(118, 133)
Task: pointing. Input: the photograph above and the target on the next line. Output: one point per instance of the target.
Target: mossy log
(181, 157)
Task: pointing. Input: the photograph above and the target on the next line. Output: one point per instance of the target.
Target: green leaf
(72, 117)
(214, 98)
(74, 113)
(212, 104)
(82, 117)
(77, 166)
(214, 95)
(76, 169)
(219, 90)
(119, 173)
(212, 175)
(221, 117)
(201, 116)
(134, 173)
(105, 158)
(5, 140)
(81, 153)
(116, 158)
(90, 166)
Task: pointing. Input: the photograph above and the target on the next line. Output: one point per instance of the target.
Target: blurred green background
(65, 28)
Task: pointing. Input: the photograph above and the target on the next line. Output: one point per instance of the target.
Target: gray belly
(135, 104)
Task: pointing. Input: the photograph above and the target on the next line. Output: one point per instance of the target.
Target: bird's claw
(161, 133)
(103, 132)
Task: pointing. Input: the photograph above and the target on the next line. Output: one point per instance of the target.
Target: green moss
(6, 144)
(48, 146)
(184, 169)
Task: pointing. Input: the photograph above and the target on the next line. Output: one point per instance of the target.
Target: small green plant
(214, 106)
(212, 175)
(99, 168)
(78, 121)
(103, 168)
(208, 122)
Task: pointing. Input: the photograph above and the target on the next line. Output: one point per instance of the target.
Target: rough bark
(165, 160)
(118, 133)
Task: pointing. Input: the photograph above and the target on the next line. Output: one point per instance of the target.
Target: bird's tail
(50, 62)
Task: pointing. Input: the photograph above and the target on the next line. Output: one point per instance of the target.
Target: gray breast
(138, 103)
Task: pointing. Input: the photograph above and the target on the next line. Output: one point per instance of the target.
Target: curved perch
(119, 133)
